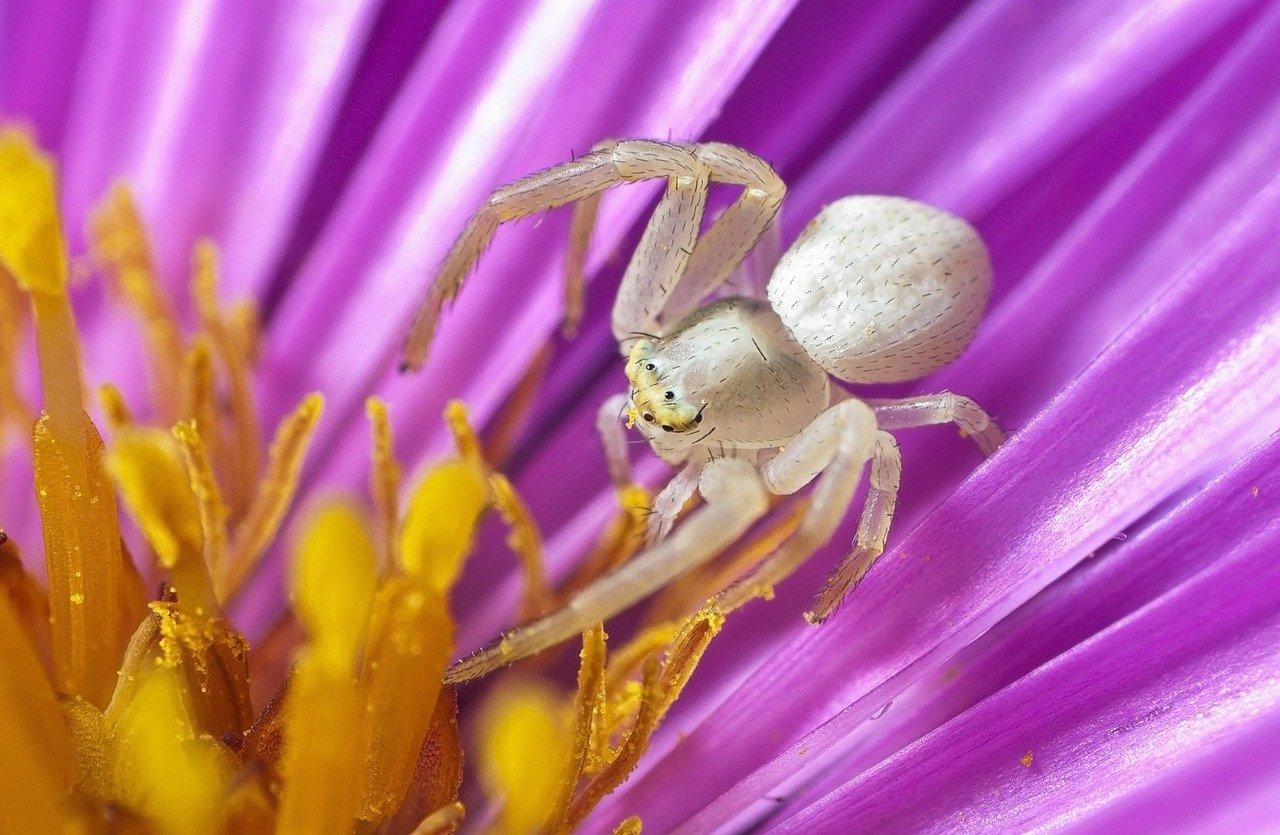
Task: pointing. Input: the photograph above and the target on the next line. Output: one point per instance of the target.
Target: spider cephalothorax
(738, 390)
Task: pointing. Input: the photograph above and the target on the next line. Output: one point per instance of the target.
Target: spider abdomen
(882, 289)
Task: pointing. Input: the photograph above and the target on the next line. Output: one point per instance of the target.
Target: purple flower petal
(1163, 690)
(1125, 434)
(1124, 576)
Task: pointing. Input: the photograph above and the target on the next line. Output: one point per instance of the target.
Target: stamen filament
(247, 448)
(384, 480)
(526, 541)
(209, 505)
(588, 707)
(273, 496)
(114, 409)
(120, 245)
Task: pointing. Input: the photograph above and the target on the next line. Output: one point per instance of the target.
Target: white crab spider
(876, 289)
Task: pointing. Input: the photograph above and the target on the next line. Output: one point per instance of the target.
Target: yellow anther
(522, 723)
(526, 540)
(439, 523)
(31, 243)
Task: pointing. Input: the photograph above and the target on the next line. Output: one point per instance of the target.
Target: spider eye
(666, 428)
(697, 419)
(671, 395)
(649, 366)
(648, 417)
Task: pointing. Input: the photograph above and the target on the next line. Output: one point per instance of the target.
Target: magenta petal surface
(1114, 443)
(1079, 633)
(1162, 690)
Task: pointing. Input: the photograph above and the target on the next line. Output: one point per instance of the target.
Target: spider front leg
(670, 501)
(556, 186)
(613, 437)
(738, 229)
(873, 529)
(945, 407)
(735, 499)
(661, 257)
(835, 445)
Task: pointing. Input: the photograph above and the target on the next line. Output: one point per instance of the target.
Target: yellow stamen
(89, 601)
(147, 466)
(114, 409)
(273, 496)
(120, 246)
(166, 769)
(437, 780)
(522, 730)
(333, 584)
(661, 686)
(630, 826)
(248, 434)
(322, 767)
(15, 414)
(199, 393)
(249, 809)
(588, 707)
(440, 522)
(35, 752)
(30, 604)
(625, 661)
(526, 541)
(213, 660)
(211, 510)
(410, 644)
(31, 243)
(384, 479)
(245, 321)
(76, 501)
(91, 747)
(464, 436)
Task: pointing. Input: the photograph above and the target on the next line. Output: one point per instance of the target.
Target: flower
(1090, 608)
(144, 710)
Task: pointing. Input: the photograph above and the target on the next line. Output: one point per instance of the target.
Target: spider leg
(662, 255)
(733, 235)
(945, 407)
(670, 501)
(735, 499)
(687, 168)
(836, 445)
(873, 529)
(614, 438)
(558, 185)
(585, 212)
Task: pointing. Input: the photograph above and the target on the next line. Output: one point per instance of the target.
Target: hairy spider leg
(833, 448)
(873, 529)
(685, 167)
(931, 409)
(735, 499)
